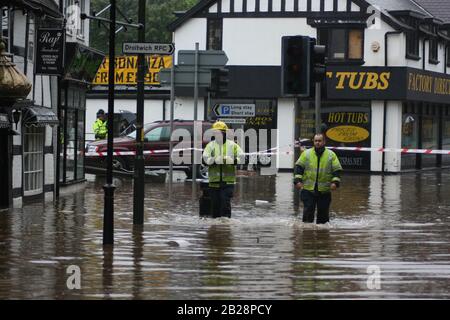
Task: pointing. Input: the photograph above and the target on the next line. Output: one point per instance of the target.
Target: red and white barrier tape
(268, 151)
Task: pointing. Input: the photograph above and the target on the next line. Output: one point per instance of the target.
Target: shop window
(343, 44)
(214, 37)
(33, 160)
(410, 131)
(80, 148)
(446, 135)
(70, 145)
(430, 125)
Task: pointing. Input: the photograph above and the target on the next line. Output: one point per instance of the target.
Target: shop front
(423, 101)
(81, 66)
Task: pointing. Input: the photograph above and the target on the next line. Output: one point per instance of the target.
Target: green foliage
(159, 13)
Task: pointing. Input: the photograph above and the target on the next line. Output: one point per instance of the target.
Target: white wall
(393, 135)
(376, 158)
(375, 34)
(286, 126)
(191, 32)
(256, 41)
(49, 169)
(17, 172)
(184, 109)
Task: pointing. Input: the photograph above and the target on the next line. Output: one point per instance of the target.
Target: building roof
(49, 7)
(438, 8)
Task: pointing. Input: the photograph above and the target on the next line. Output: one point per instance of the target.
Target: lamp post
(139, 170)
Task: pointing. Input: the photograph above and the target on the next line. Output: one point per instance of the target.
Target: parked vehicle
(156, 138)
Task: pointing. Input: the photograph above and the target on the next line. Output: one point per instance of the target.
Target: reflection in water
(399, 223)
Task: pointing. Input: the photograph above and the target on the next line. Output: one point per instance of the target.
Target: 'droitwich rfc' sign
(49, 51)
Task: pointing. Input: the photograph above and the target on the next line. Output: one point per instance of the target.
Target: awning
(4, 121)
(81, 62)
(39, 117)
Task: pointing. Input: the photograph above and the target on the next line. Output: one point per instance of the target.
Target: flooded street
(396, 225)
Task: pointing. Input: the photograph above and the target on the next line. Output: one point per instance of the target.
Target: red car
(156, 140)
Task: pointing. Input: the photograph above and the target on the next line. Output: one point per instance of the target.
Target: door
(156, 140)
(4, 169)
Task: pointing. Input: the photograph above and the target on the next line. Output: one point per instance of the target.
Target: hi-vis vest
(211, 156)
(322, 173)
(100, 129)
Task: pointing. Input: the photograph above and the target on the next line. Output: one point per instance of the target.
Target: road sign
(148, 48)
(235, 110)
(208, 59)
(233, 120)
(185, 76)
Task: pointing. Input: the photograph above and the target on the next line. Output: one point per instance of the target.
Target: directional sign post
(207, 59)
(148, 48)
(235, 110)
(185, 77)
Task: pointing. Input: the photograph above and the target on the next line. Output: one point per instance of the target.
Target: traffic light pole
(318, 106)
(139, 170)
(194, 167)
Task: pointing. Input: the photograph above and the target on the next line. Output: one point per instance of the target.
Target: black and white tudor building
(388, 83)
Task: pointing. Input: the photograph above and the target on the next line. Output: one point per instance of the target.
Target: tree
(159, 15)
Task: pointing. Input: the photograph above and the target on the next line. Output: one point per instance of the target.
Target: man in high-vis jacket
(317, 173)
(100, 127)
(221, 156)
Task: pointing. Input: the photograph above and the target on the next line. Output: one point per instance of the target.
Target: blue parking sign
(226, 110)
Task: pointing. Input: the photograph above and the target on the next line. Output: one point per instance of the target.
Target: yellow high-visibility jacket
(222, 160)
(100, 129)
(322, 169)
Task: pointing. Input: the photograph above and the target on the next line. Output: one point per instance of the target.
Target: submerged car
(156, 149)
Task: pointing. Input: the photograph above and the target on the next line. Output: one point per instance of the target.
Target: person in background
(100, 126)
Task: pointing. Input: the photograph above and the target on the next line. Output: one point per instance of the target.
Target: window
(157, 134)
(4, 26)
(448, 56)
(412, 40)
(74, 25)
(214, 41)
(80, 30)
(433, 51)
(343, 44)
(33, 160)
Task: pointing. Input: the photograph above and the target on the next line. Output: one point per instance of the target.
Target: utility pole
(109, 187)
(139, 170)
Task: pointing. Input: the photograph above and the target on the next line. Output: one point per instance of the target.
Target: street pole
(108, 217)
(194, 167)
(139, 170)
(318, 106)
(172, 102)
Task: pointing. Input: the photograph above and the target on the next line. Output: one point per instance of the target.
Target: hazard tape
(269, 153)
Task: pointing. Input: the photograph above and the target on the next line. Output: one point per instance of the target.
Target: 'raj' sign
(49, 51)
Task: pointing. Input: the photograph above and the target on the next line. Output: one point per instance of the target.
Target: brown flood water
(397, 225)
